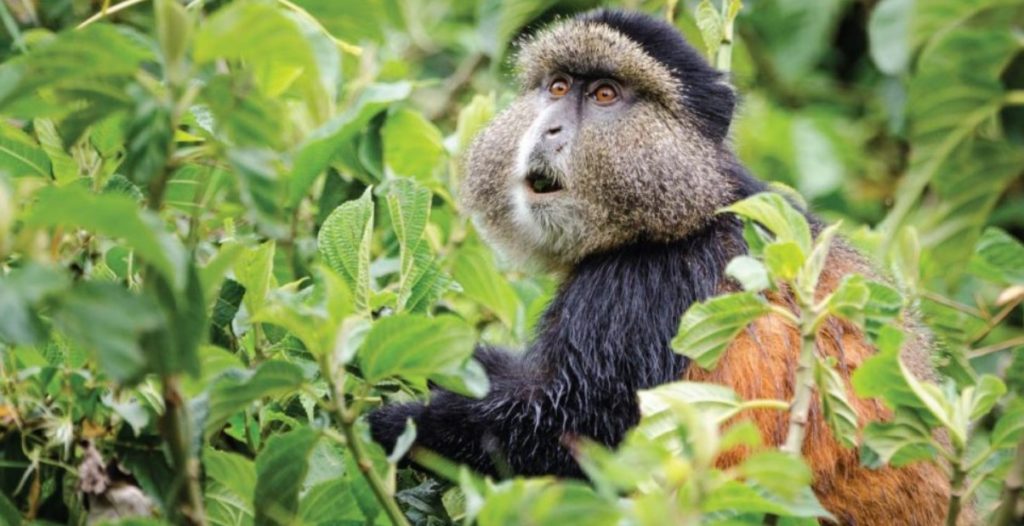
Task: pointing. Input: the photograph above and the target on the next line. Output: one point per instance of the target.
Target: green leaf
(412, 145)
(735, 496)
(268, 41)
(254, 269)
(904, 440)
(330, 502)
(110, 322)
(409, 208)
(9, 512)
(472, 118)
(65, 169)
(849, 298)
(174, 32)
(114, 216)
(413, 346)
(889, 35)
(709, 21)
(810, 271)
(19, 159)
(470, 379)
(314, 155)
(259, 180)
(707, 328)
(784, 259)
(780, 473)
(344, 243)
(1009, 429)
(234, 392)
(21, 293)
(998, 257)
(750, 272)
(773, 212)
(884, 305)
(474, 269)
(840, 415)
(984, 395)
(230, 485)
(280, 469)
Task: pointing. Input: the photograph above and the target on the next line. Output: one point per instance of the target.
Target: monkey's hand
(388, 423)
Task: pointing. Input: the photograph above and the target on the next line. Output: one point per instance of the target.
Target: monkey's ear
(713, 104)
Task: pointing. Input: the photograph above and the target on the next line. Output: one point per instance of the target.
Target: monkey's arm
(516, 428)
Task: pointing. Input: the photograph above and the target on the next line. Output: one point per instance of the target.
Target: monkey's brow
(591, 74)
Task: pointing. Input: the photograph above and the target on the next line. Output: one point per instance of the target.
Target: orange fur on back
(761, 363)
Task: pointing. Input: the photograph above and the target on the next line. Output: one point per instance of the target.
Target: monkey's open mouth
(542, 183)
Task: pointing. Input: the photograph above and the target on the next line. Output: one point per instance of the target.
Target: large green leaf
(409, 208)
(773, 212)
(280, 469)
(344, 242)
(235, 392)
(412, 145)
(314, 155)
(22, 158)
(475, 271)
(414, 347)
(230, 486)
(840, 415)
(707, 328)
(999, 257)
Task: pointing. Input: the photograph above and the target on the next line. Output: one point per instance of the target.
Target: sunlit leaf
(707, 328)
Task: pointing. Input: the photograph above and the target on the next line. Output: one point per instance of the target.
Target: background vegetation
(230, 228)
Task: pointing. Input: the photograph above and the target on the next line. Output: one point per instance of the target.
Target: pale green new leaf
(774, 213)
(472, 119)
(414, 347)
(810, 271)
(749, 272)
(707, 328)
(984, 395)
(783, 259)
(709, 21)
(254, 270)
(840, 415)
(344, 242)
(412, 145)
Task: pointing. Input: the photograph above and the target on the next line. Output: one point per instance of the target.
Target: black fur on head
(703, 90)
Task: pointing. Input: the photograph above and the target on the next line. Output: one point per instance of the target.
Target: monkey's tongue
(543, 183)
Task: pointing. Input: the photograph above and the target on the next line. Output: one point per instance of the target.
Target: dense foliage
(228, 229)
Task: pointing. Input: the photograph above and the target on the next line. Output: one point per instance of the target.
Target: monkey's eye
(559, 87)
(605, 94)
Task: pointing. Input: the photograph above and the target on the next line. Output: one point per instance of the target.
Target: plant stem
(176, 429)
(724, 59)
(1007, 512)
(106, 12)
(803, 394)
(956, 492)
(346, 419)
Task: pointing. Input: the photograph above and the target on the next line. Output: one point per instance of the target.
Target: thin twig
(103, 13)
(996, 347)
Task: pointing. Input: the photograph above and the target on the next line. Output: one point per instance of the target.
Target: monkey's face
(597, 151)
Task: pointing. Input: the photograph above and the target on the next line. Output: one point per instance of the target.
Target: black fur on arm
(604, 336)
